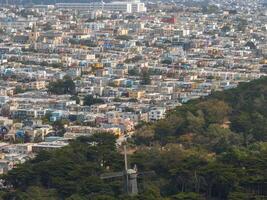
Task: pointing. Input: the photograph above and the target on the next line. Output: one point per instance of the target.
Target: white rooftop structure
(116, 6)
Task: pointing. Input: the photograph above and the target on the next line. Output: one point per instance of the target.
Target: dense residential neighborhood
(75, 69)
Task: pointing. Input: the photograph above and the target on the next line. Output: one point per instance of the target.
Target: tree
(38, 193)
(65, 86)
(145, 77)
(5, 110)
(57, 65)
(150, 193)
(75, 98)
(251, 45)
(167, 62)
(133, 100)
(91, 100)
(103, 197)
(241, 24)
(221, 179)
(19, 90)
(215, 111)
(195, 123)
(59, 127)
(133, 72)
(226, 28)
(76, 197)
(47, 27)
(187, 196)
(243, 123)
(124, 37)
(144, 135)
(220, 139)
(239, 196)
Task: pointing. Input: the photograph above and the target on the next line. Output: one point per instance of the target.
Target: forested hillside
(213, 148)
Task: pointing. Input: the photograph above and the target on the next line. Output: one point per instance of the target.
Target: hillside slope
(212, 148)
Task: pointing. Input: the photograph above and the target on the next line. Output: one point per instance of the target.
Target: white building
(156, 113)
(119, 6)
(137, 6)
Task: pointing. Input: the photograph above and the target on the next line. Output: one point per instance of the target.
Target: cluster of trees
(236, 174)
(99, 18)
(239, 115)
(133, 72)
(167, 62)
(135, 59)
(88, 43)
(229, 129)
(145, 77)
(69, 173)
(73, 172)
(19, 90)
(47, 26)
(54, 65)
(64, 86)
(144, 74)
(124, 37)
(212, 148)
(91, 100)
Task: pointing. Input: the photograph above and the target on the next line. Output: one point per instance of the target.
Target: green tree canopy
(91, 100)
(65, 86)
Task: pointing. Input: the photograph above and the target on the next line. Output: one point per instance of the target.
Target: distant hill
(210, 148)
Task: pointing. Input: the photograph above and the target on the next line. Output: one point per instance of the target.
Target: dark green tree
(145, 77)
(91, 100)
(65, 86)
